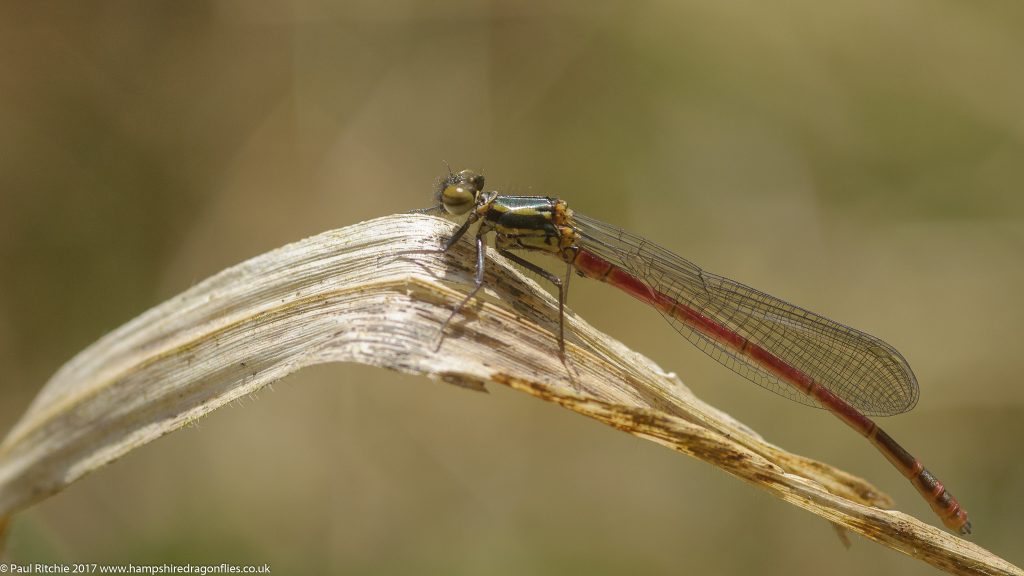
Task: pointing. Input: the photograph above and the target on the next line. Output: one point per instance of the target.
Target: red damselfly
(777, 345)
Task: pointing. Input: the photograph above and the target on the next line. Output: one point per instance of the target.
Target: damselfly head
(458, 192)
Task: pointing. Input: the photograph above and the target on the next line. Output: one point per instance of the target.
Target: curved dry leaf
(376, 293)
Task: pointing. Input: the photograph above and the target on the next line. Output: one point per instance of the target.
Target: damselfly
(777, 345)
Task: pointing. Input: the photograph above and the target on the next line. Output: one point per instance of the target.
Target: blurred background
(862, 159)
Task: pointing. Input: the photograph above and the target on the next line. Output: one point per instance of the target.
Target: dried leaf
(377, 293)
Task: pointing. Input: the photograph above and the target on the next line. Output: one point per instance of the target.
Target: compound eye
(474, 179)
(459, 196)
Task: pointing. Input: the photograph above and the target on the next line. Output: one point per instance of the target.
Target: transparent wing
(866, 372)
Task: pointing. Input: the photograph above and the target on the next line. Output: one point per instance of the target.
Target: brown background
(863, 159)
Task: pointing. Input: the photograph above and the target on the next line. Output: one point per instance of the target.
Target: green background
(862, 159)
